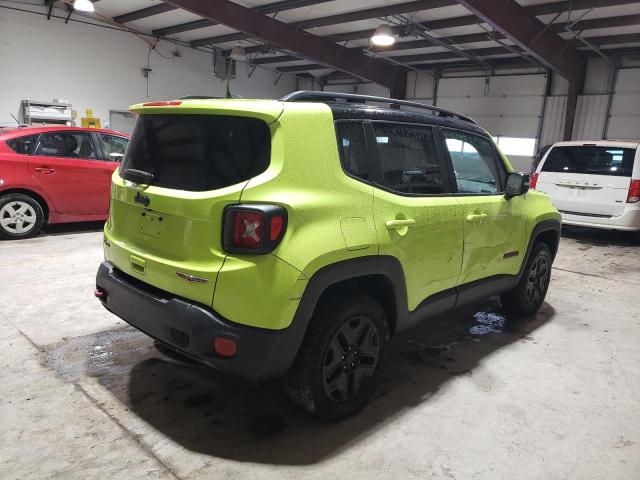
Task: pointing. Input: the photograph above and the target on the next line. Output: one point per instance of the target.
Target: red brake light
(634, 192)
(247, 229)
(277, 224)
(534, 180)
(172, 103)
(253, 228)
(225, 347)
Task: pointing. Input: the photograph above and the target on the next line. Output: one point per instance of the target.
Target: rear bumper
(629, 220)
(190, 328)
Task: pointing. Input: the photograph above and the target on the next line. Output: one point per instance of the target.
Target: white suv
(593, 184)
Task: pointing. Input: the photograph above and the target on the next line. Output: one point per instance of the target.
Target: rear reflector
(634, 192)
(225, 347)
(277, 224)
(172, 103)
(534, 180)
(100, 293)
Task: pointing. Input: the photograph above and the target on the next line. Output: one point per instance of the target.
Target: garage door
(624, 117)
(507, 106)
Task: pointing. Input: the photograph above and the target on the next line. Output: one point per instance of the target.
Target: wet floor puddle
(191, 402)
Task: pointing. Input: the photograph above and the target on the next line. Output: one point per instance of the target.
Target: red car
(55, 175)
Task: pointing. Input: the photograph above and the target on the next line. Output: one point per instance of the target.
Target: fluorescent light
(383, 36)
(83, 5)
(238, 53)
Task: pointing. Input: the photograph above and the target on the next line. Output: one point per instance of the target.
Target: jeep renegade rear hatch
(178, 174)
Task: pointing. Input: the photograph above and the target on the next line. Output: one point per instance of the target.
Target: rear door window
(591, 160)
(198, 152)
(67, 144)
(408, 159)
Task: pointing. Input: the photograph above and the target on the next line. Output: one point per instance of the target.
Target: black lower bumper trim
(191, 328)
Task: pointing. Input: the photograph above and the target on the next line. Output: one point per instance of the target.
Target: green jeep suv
(293, 238)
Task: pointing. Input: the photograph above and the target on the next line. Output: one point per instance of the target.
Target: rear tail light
(534, 181)
(634, 192)
(253, 228)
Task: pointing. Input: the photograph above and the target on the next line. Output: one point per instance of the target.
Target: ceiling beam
(144, 13)
(479, 52)
(288, 37)
(514, 22)
(339, 18)
(585, 25)
(280, 6)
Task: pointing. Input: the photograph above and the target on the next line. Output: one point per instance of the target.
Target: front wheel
(338, 366)
(527, 297)
(20, 216)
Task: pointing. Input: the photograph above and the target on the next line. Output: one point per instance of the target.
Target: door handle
(45, 170)
(396, 224)
(476, 217)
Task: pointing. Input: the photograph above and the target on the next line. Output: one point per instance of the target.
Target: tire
(21, 216)
(527, 297)
(338, 366)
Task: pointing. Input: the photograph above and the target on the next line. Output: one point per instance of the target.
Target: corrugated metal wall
(553, 126)
(624, 120)
(590, 114)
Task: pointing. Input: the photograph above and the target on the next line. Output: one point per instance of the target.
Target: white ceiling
(114, 8)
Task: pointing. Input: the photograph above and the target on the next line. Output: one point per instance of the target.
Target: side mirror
(517, 184)
(116, 157)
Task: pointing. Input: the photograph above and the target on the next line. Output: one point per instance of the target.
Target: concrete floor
(470, 395)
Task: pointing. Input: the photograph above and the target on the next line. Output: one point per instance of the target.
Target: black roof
(353, 107)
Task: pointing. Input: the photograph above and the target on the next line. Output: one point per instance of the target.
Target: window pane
(113, 146)
(24, 144)
(198, 152)
(408, 159)
(67, 144)
(352, 149)
(591, 160)
(517, 146)
(473, 161)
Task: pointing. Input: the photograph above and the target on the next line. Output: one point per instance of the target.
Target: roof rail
(315, 96)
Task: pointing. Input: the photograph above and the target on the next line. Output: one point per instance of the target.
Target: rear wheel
(338, 366)
(527, 297)
(20, 216)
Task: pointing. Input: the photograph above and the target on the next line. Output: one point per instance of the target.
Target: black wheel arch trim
(391, 268)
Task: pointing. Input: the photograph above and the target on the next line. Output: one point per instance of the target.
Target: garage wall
(100, 69)
(624, 121)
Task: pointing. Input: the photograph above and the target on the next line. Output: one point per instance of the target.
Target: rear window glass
(198, 152)
(590, 160)
(24, 144)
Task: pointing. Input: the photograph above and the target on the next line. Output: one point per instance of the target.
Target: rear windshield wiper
(138, 176)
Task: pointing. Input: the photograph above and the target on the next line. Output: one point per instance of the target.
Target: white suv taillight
(634, 192)
(253, 228)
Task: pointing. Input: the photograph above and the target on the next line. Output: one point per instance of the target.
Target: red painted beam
(288, 37)
(514, 22)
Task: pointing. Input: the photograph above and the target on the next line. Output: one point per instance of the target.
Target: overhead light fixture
(83, 5)
(238, 53)
(383, 36)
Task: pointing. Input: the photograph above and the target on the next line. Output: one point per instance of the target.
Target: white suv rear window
(591, 160)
